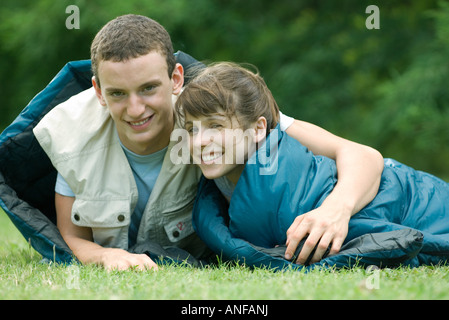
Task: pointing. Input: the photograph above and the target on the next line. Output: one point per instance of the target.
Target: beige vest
(80, 138)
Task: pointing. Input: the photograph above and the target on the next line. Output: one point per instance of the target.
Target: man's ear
(98, 92)
(177, 78)
(260, 129)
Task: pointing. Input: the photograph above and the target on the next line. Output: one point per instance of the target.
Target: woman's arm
(359, 169)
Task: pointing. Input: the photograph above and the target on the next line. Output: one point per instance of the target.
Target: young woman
(269, 179)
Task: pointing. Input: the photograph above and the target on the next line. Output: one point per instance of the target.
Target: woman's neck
(235, 174)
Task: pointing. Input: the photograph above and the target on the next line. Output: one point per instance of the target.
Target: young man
(111, 146)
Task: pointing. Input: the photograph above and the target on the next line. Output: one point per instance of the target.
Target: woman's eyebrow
(217, 116)
(211, 117)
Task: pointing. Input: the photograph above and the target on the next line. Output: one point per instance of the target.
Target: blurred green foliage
(386, 88)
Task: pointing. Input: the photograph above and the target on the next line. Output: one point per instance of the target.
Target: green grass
(23, 276)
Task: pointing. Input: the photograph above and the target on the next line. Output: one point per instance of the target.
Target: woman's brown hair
(229, 88)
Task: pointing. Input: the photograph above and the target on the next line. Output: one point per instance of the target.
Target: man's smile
(140, 124)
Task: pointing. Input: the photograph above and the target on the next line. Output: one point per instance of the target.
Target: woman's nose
(206, 136)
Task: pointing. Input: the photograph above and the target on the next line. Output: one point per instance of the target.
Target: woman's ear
(260, 129)
(98, 91)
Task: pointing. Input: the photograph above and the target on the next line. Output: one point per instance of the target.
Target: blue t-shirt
(146, 169)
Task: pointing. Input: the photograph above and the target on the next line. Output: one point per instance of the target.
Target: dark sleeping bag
(27, 177)
(406, 224)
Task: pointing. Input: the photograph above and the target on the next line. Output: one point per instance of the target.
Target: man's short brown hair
(131, 36)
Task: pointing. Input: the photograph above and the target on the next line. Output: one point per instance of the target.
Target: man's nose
(136, 106)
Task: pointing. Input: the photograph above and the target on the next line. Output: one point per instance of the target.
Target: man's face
(138, 93)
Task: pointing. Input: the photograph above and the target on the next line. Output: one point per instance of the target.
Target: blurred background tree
(386, 88)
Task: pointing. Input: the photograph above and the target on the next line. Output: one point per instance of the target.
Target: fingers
(140, 262)
(295, 234)
(321, 234)
(309, 246)
(336, 245)
(302, 226)
(145, 263)
(322, 247)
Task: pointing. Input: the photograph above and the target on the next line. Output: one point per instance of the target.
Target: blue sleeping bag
(406, 224)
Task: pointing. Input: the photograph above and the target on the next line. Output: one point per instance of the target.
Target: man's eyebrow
(150, 83)
(111, 89)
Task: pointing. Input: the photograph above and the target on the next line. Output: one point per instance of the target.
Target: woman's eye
(216, 126)
(192, 130)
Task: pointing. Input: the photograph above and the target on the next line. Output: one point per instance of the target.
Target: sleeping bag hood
(27, 177)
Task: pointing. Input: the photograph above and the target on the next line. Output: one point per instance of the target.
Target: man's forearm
(359, 173)
(87, 252)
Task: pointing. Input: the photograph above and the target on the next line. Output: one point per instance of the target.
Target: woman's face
(219, 145)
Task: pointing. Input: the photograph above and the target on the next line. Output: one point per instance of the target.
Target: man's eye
(116, 94)
(148, 89)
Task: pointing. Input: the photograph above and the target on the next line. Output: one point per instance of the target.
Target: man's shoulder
(81, 111)
(74, 123)
(84, 102)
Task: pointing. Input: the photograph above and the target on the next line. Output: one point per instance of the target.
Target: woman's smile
(211, 157)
